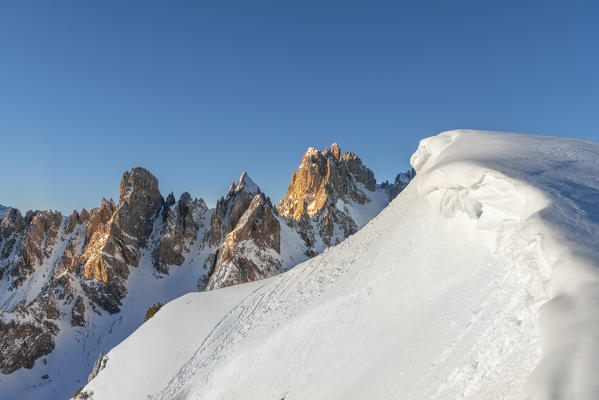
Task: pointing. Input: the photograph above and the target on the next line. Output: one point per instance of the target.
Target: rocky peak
(230, 208)
(359, 171)
(139, 186)
(336, 151)
(116, 236)
(182, 223)
(170, 200)
(97, 218)
(321, 179)
(12, 220)
(252, 250)
(245, 183)
(30, 239)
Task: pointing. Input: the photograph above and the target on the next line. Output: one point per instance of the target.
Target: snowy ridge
(478, 281)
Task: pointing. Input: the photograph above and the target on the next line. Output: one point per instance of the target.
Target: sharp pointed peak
(246, 183)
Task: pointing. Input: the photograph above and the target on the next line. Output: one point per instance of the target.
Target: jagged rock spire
(322, 178)
(230, 208)
(116, 235)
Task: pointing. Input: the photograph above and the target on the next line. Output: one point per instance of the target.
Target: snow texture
(478, 281)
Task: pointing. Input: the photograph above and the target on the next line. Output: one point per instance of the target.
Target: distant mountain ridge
(85, 279)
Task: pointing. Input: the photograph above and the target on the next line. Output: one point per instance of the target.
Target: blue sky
(199, 91)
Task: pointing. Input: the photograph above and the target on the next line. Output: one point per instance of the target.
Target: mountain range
(72, 287)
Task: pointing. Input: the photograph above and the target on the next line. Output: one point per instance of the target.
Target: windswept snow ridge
(478, 281)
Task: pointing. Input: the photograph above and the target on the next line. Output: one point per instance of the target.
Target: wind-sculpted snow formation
(479, 281)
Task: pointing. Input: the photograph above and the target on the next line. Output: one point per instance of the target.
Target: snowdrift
(479, 281)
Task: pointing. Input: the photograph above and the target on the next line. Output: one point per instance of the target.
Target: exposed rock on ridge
(321, 179)
(230, 208)
(27, 333)
(26, 242)
(252, 250)
(116, 244)
(323, 191)
(182, 222)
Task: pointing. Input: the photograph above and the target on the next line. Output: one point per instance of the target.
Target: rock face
(30, 240)
(76, 271)
(182, 222)
(325, 192)
(230, 208)
(99, 365)
(321, 179)
(252, 250)
(401, 181)
(115, 244)
(27, 334)
(246, 232)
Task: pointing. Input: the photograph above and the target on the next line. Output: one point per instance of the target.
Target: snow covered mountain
(72, 287)
(479, 281)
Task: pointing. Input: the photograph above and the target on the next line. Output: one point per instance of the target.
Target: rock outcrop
(29, 240)
(230, 208)
(27, 333)
(246, 233)
(325, 192)
(322, 178)
(115, 245)
(251, 251)
(401, 181)
(182, 223)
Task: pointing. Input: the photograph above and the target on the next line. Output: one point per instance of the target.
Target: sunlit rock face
(323, 177)
(326, 185)
(115, 244)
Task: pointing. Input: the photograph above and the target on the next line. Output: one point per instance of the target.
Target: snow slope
(478, 281)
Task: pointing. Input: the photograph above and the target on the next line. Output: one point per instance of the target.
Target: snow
(361, 214)
(246, 182)
(3, 210)
(293, 247)
(478, 281)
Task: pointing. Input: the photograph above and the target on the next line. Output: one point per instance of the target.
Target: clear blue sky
(199, 91)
